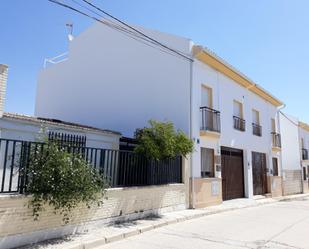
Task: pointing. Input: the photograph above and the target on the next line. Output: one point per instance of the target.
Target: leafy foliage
(161, 141)
(63, 180)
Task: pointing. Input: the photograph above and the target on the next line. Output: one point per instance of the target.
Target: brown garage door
(259, 173)
(232, 173)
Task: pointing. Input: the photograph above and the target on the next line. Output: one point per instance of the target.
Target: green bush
(161, 141)
(62, 180)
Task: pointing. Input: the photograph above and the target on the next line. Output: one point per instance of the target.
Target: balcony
(239, 124)
(257, 130)
(276, 140)
(210, 121)
(305, 154)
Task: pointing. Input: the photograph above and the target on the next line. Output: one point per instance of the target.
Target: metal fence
(121, 168)
(210, 120)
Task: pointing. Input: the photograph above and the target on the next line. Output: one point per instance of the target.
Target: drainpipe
(279, 128)
(192, 199)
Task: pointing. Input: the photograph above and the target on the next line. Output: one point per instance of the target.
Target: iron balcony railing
(210, 119)
(276, 139)
(305, 155)
(121, 168)
(257, 129)
(239, 124)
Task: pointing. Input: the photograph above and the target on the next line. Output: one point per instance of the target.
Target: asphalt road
(282, 225)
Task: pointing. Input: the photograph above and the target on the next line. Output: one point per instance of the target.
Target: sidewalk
(114, 232)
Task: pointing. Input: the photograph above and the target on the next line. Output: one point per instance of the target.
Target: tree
(62, 179)
(161, 141)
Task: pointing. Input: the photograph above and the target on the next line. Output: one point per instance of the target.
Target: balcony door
(206, 97)
(206, 101)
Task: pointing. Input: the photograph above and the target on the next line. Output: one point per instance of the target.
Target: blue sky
(266, 40)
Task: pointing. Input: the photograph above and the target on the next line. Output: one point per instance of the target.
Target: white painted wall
(304, 134)
(291, 156)
(28, 131)
(112, 81)
(225, 91)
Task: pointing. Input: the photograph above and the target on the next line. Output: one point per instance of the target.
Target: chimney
(3, 79)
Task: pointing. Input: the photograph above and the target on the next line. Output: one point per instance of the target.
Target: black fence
(121, 168)
(210, 119)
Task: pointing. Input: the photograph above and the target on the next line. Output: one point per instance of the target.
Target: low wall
(292, 182)
(305, 187)
(208, 192)
(17, 226)
(274, 185)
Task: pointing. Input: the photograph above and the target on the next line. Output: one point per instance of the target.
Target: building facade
(110, 80)
(304, 148)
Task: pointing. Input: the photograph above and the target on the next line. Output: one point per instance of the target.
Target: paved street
(276, 226)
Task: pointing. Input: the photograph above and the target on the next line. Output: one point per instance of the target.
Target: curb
(92, 244)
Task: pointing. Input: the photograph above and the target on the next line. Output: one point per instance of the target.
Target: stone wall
(292, 182)
(17, 226)
(208, 192)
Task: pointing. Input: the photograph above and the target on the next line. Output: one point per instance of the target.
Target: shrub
(161, 141)
(62, 180)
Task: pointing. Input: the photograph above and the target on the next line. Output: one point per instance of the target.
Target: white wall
(23, 130)
(305, 135)
(291, 156)
(114, 82)
(225, 91)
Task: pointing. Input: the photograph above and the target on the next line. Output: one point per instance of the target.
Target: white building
(111, 80)
(17, 128)
(304, 148)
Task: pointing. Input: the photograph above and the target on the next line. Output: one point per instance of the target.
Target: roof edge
(303, 125)
(64, 124)
(208, 57)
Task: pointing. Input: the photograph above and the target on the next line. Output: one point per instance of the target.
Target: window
(255, 117)
(305, 173)
(207, 162)
(238, 109)
(206, 97)
(275, 167)
(256, 127)
(239, 123)
(273, 125)
(302, 143)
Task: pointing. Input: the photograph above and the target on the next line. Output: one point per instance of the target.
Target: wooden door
(259, 173)
(232, 173)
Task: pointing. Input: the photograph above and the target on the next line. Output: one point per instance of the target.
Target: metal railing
(257, 129)
(239, 123)
(276, 139)
(210, 119)
(305, 155)
(121, 168)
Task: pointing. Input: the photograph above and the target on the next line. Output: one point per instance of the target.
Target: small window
(305, 173)
(207, 162)
(302, 143)
(256, 127)
(206, 97)
(255, 117)
(273, 125)
(238, 109)
(275, 167)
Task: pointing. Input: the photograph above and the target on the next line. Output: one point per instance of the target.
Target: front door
(259, 173)
(232, 173)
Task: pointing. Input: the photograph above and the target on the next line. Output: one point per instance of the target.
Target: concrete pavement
(279, 225)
